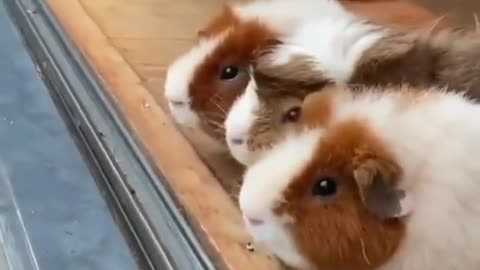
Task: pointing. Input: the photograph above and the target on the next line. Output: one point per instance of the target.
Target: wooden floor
(149, 34)
(131, 43)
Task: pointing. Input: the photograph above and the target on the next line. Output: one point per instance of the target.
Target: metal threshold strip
(142, 201)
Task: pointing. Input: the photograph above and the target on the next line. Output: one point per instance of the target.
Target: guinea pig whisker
(477, 22)
(265, 127)
(282, 200)
(219, 106)
(216, 124)
(215, 114)
(435, 23)
(222, 105)
(217, 97)
(235, 195)
(364, 252)
(262, 117)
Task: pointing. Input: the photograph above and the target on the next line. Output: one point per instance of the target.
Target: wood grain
(209, 207)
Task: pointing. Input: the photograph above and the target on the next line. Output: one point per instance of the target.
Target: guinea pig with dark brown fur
(344, 51)
(379, 179)
(202, 83)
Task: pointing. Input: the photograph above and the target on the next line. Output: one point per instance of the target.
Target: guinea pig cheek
(238, 125)
(217, 97)
(183, 114)
(180, 107)
(273, 237)
(177, 94)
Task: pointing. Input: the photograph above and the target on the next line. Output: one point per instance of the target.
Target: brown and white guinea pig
(376, 180)
(202, 84)
(350, 51)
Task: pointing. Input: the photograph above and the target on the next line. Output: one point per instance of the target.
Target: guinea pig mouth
(272, 238)
(262, 236)
(184, 116)
(241, 153)
(262, 247)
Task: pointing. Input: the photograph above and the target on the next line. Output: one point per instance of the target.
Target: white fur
(258, 197)
(238, 123)
(436, 142)
(180, 75)
(282, 16)
(334, 44)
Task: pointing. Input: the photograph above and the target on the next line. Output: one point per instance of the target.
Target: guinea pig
(202, 84)
(375, 180)
(350, 51)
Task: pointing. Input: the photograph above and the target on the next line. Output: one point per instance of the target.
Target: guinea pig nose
(237, 141)
(255, 221)
(177, 103)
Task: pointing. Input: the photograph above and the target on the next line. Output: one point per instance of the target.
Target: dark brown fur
(447, 58)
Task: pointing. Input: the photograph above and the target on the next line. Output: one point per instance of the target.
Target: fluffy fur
(379, 57)
(419, 141)
(335, 45)
(196, 94)
(257, 197)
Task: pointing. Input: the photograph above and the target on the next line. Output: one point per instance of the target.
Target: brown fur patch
(340, 232)
(422, 59)
(397, 58)
(212, 97)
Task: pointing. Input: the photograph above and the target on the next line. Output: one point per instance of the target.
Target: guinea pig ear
(376, 180)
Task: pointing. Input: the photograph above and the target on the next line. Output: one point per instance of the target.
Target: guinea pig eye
(291, 115)
(229, 73)
(324, 187)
